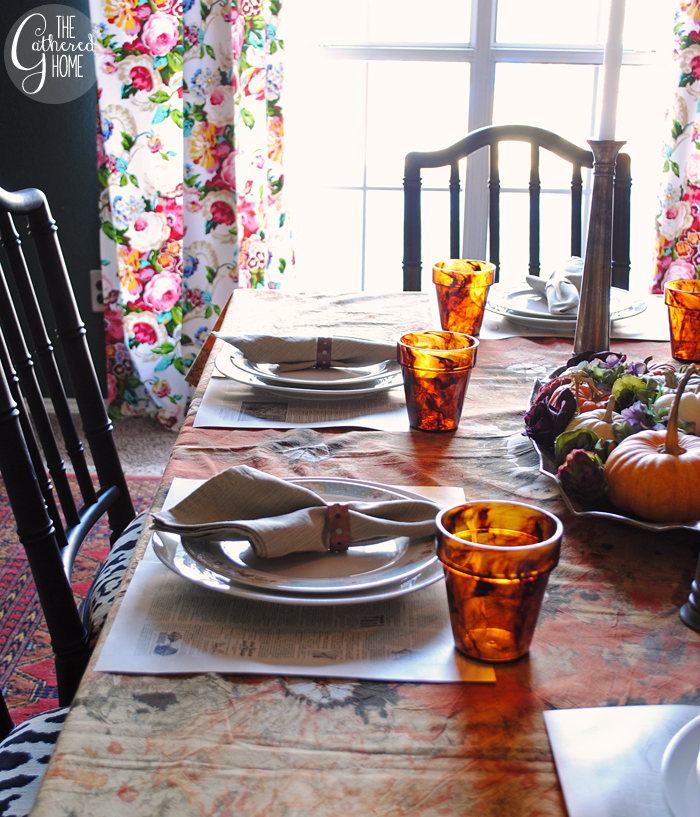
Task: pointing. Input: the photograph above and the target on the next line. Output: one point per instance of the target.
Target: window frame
(483, 53)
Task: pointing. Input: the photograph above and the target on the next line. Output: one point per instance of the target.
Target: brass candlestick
(593, 322)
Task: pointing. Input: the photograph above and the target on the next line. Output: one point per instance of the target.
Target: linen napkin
(562, 288)
(293, 353)
(279, 517)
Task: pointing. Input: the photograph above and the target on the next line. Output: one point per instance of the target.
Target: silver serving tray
(605, 510)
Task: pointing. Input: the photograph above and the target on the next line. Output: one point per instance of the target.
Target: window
(367, 81)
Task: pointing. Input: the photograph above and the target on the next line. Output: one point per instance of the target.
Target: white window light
(369, 80)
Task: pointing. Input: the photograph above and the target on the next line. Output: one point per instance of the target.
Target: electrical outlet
(96, 290)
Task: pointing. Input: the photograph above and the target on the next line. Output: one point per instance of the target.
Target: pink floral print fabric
(678, 223)
(190, 159)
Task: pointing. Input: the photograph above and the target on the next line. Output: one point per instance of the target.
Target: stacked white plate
(375, 572)
(680, 771)
(336, 383)
(521, 304)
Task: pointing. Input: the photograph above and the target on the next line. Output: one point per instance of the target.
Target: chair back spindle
(621, 222)
(494, 209)
(576, 210)
(535, 187)
(45, 484)
(455, 190)
(37, 532)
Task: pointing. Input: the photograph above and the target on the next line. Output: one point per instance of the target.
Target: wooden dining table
(609, 633)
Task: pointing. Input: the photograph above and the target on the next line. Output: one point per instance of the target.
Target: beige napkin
(562, 288)
(279, 517)
(293, 353)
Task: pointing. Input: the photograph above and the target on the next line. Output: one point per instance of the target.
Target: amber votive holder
(497, 558)
(462, 289)
(436, 368)
(683, 302)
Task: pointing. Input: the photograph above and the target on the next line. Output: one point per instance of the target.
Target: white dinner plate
(386, 562)
(679, 771)
(520, 303)
(169, 550)
(224, 364)
(333, 378)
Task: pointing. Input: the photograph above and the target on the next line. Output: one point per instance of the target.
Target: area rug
(27, 673)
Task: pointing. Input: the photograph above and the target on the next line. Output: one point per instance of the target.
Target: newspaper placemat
(168, 626)
(227, 404)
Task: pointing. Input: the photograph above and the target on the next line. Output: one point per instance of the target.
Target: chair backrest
(51, 523)
(491, 137)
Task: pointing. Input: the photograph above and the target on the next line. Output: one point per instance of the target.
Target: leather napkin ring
(339, 519)
(323, 353)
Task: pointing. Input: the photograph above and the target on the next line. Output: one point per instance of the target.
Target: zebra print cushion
(23, 757)
(105, 586)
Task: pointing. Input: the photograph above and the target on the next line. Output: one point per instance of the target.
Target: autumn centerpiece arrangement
(625, 433)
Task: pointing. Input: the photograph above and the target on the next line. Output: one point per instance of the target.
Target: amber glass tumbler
(462, 289)
(683, 301)
(497, 558)
(436, 368)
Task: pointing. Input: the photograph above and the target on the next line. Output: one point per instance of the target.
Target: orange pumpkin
(656, 474)
(590, 400)
(588, 396)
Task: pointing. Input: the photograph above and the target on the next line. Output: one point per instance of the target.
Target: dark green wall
(52, 147)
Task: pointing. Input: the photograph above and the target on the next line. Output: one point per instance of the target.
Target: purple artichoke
(549, 388)
(544, 422)
(583, 476)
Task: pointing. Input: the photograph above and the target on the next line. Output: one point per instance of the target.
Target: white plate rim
(176, 559)
(287, 379)
(225, 366)
(499, 292)
(415, 555)
(686, 742)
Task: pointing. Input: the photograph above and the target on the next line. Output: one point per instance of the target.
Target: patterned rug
(27, 672)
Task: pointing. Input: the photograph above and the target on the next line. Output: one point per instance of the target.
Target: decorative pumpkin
(660, 368)
(655, 474)
(588, 396)
(688, 408)
(598, 420)
(672, 379)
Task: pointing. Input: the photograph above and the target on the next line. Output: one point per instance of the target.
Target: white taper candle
(612, 61)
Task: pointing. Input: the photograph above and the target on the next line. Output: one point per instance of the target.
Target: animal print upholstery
(24, 755)
(105, 586)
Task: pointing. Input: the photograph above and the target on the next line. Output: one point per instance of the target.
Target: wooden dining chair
(491, 137)
(51, 522)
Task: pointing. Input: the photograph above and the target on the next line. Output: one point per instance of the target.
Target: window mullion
(481, 82)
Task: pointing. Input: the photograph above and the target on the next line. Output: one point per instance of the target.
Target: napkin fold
(293, 353)
(279, 518)
(562, 288)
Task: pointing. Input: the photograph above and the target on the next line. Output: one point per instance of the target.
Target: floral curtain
(190, 169)
(678, 222)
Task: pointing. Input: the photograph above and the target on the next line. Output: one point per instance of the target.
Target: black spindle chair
(491, 137)
(51, 524)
